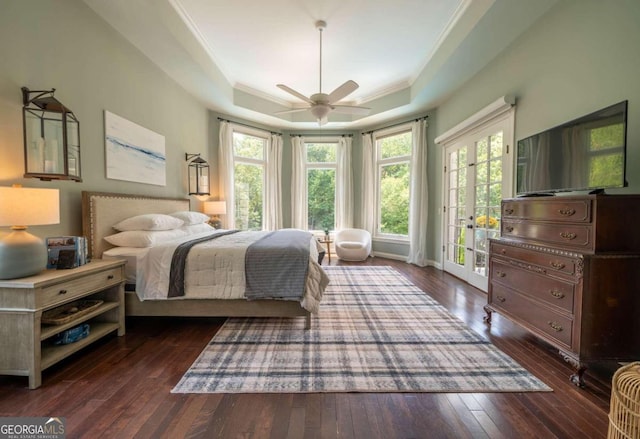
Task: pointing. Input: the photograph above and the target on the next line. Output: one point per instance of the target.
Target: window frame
(380, 163)
(321, 165)
(246, 131)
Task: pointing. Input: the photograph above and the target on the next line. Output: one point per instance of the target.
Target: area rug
(375, 332)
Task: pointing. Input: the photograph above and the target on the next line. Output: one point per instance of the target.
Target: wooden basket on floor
(624, 414)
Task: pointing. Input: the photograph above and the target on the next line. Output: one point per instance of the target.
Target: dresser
(567, 268)
(27, 345)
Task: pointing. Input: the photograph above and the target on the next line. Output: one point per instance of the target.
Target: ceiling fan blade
(342, 91)
(295, 93)
(295, 110)
(346, 109)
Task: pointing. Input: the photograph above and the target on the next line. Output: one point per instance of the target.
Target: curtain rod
(396, 124)
(248, 126)
(321, 135)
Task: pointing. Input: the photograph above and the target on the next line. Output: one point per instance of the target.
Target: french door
(477, 175)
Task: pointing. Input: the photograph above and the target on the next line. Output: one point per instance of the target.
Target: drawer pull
(503, 251)
(501, 273)
(62, 292)
(566, 212)
(568, 236)
(111, 276)
(557, 265)
(508, 211)
(557, 294)
(508, 229)
(500, 299)
(555, 326)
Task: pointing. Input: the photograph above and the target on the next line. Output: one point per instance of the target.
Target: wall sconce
(198, 175)
(21, 253)
(215, 208)
(51, 137)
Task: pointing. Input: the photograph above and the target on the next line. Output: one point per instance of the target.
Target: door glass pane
(482, 152)
(456, 213)
(481, 173)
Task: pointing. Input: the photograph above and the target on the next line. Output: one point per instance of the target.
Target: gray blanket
(276, 265)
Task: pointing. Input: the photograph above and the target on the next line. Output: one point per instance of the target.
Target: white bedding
(131, 255)
(215, 269)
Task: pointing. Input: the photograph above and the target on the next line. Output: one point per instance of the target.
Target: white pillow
(197, 228)
(190, 217)
(144, 238)
(149, 221)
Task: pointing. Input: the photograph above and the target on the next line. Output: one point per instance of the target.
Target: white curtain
(273, 181)
(344, 185)
(418, 196)
(298, 184)
(368, 184)
(225, 172)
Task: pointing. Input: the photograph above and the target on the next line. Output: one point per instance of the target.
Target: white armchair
(353, 244)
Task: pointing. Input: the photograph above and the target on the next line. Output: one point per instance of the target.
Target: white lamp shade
(21, 253)
(21, 206)
(215, 207)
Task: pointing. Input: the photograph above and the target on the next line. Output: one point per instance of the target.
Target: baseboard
(430, 263)
(389, 256)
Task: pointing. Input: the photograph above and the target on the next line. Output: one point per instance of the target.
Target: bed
(101, 211)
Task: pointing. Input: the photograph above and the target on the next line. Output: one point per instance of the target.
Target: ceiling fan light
(320, 111)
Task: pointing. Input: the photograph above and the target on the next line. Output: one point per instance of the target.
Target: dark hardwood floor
(120, 388)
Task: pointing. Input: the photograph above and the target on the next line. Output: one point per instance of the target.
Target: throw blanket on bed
(179, 261)
(276, 265)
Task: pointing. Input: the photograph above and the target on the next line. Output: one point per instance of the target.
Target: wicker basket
(624, 414)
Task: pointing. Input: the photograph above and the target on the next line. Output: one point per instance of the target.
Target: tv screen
(588, 153)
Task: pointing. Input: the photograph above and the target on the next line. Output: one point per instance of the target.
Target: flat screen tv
(588, 153)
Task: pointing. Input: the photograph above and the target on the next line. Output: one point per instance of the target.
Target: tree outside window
(394, 159)
(249, 171)
(321, 185)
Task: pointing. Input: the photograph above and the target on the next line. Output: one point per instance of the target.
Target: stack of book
(66, 251)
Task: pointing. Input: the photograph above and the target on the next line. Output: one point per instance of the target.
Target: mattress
(131, 255)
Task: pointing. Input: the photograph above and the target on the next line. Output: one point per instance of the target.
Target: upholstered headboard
(101, 210)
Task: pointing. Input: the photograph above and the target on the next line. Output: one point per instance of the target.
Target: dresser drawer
(53, 295)
(562, 235)
(575, 211)
(551, 263)
(554, 325)
(539, 287)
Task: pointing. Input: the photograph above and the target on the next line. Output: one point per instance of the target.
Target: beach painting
(133, 153)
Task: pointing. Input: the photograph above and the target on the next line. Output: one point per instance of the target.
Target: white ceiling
(406, 55)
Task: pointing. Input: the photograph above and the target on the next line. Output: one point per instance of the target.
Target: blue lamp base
(21, 254)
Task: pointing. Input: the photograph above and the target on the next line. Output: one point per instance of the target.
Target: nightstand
(26, 345)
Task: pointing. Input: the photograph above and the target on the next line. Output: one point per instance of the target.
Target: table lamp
(215, 208)
(21, 253)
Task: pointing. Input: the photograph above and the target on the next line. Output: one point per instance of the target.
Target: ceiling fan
(321, 104)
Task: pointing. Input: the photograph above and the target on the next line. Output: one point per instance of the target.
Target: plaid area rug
(375, 332)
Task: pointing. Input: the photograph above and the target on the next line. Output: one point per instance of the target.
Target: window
(393, 152)
(606, 155)
(321, 167)
(249, 174)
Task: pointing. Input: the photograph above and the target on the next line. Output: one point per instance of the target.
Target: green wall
(64, 45)
(579, 57)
